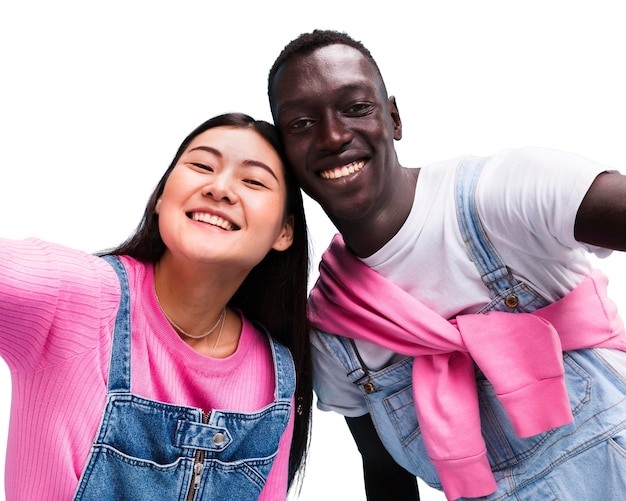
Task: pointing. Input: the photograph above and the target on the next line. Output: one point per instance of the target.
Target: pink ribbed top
(57, 310)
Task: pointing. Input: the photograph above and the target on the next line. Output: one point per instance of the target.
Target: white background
(96, 96)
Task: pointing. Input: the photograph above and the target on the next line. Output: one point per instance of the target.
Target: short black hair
(309, 42)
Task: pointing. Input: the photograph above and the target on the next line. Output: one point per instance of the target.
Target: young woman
(164, 368)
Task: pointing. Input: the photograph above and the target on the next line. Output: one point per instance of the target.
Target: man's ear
(395, 118)
(285, 239)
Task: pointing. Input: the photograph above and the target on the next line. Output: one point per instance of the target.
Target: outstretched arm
(384, 478)
(601, 217)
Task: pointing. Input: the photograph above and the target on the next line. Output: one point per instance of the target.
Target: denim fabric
(582, 461)
(508, 293)
(148, 450)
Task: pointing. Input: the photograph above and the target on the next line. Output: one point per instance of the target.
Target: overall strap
(284, 368)
(494, 273)
(119, 369)
(285, 371)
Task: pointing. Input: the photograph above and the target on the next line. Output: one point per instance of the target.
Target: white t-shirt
(527, 200)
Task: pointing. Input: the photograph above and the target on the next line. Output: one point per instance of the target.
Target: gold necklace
(219, 334)
(185, 333)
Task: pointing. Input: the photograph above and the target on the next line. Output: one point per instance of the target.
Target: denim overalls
(147, 450)
(532, 469)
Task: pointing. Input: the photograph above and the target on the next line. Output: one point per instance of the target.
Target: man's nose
(333, 134)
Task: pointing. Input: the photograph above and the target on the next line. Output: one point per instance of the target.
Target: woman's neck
(195, 303)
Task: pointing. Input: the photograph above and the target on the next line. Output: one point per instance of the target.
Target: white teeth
(212, 220)
(342, 171)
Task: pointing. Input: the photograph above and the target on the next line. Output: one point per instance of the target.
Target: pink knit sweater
(353, 300)
(57, 310)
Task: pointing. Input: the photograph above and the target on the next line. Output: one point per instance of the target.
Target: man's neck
(366, 236)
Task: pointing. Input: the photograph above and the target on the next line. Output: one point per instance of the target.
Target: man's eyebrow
(348, 87)
(247, 163)
(291, 103)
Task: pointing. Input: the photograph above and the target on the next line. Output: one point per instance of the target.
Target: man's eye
(359, 108)
(301, 123)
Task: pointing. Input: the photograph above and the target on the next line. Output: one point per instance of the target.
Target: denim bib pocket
(401, 411)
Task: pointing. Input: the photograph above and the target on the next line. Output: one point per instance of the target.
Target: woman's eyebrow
(257, 163)
(250, 162)
(207, 149)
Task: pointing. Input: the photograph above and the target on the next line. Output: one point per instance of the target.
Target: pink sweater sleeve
(46, 291)
(57, 307)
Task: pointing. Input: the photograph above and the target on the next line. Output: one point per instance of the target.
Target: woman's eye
(202, 166)
(254, 182)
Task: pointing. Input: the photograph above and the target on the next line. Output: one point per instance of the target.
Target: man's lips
(213, 220)
(342, 171)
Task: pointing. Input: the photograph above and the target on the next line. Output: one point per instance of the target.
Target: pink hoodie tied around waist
(526, 371)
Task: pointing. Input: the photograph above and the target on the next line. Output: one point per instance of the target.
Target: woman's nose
(220, 187)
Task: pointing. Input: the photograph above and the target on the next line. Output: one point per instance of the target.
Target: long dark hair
(274, 293)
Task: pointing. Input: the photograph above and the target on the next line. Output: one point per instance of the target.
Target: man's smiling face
(338, 126)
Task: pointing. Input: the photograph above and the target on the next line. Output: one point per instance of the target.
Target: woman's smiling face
(225, 200)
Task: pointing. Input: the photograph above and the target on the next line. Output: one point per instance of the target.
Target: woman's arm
(51, 297)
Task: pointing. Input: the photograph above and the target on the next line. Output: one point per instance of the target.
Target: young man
(424, 307)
